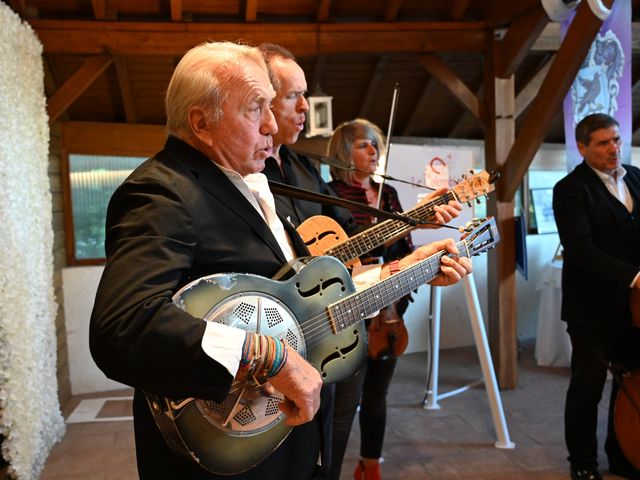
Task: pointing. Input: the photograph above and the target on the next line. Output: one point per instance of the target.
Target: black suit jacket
(177, 218)
(300, 172)
(601, 241)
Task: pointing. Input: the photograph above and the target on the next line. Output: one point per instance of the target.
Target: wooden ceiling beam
(502, 12)
(91, 69)
(136, 140)
(565, 66)
(531, 89)
(318, 73)
(324, 8)
(420, 106)
(125, 90)
(22, 9)
(454, 131)
(104, 9)
(459, 8)
(374, 82)
(447, 77)
(173, 38)
(550, 38)
(251, 11)
(99, 9)
(176, 10)
(517, 42)
(391, 10)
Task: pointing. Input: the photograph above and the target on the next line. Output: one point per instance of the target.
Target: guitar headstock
(474, 185)
(482, 235)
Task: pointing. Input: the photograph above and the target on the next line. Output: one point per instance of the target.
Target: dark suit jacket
(300, 172)
(177, 218)
(601, 241)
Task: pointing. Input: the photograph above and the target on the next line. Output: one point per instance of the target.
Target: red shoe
(370, 472)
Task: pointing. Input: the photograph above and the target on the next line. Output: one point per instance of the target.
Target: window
(92, 181)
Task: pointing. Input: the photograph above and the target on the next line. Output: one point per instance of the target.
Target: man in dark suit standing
(597, 211)
(200, 207)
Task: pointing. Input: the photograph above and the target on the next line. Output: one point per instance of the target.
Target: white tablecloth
(553, 347)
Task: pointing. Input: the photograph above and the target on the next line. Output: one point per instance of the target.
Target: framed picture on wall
(541, 200)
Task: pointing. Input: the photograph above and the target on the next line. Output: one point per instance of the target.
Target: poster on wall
(433, 167)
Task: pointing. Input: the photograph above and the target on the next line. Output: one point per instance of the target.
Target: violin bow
(387, 147)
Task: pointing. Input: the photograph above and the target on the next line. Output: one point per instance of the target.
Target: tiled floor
(454, 442)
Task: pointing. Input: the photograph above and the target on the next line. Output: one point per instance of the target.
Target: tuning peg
(469, 203)
(478, 201)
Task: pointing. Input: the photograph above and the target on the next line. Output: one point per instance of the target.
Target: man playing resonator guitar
(197, 208)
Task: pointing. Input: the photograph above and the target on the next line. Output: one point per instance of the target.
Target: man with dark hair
(290, 108)
(597, 211)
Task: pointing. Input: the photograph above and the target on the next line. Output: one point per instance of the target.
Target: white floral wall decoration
(30, 418)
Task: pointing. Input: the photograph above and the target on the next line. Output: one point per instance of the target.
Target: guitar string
(343, 310)
(317, 324)
(357, 245)
(423, 212)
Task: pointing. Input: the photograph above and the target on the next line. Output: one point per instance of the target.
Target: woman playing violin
(358, 144)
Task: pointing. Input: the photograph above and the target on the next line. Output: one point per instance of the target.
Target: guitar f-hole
(340, 354)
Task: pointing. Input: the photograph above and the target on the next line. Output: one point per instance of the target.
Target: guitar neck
(386, 231)
(364, 304)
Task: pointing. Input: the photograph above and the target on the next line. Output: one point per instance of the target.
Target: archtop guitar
(324, 236)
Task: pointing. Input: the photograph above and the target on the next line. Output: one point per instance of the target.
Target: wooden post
(499, 101)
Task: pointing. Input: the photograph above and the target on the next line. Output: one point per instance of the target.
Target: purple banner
(603, 83)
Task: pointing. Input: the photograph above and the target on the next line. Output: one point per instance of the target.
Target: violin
(626, 416)
(388, 335)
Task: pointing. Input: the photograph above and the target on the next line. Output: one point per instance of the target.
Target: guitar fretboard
(382, 233)
(365, 303)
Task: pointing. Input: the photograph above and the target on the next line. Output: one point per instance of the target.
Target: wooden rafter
(324, 8)
(391, 10)
(173, 38)
(531, 89)
(562, 72)
(76, 85)
(517, 42)
(99, 9)
(550, 38)
(374, 82)
(50, 81)
(251, 11)
(447, 77)
(501, 12)
(318, 74)
(459, 8)
(176, 10)
(125, 90)
(21, 8)
(454, 131)
(419, 107)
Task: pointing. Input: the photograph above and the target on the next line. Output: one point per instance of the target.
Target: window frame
(108, 139)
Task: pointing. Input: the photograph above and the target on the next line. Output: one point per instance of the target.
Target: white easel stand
(482, 346)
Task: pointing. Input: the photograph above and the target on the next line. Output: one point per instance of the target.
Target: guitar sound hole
(244, 417)
(273, 317)
(292, 340)
(272, 407)
(244, 311)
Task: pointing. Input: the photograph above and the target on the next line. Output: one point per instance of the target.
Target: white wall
(79, 285)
